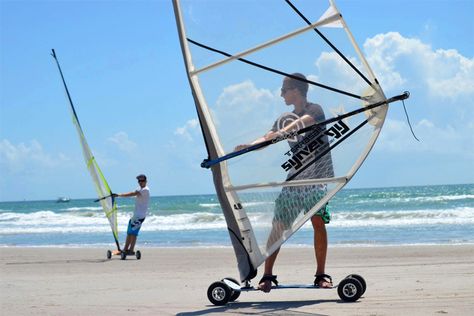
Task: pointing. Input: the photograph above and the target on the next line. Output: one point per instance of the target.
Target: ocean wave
(209, 205)
(84, 208)
(49, 222)
(460, 215)
(408, 199)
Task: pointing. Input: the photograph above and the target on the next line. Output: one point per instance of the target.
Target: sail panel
(102, 188)
(241, 100)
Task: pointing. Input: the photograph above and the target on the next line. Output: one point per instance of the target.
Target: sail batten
(230, 58)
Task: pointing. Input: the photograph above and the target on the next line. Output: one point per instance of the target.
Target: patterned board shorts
(294, 200)
(134, 225)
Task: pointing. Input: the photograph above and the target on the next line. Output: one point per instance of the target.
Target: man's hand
(272, 135)
(241, 147)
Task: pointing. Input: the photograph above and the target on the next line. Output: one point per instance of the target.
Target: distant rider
(142, 194)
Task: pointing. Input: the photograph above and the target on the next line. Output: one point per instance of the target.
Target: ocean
(418, 215)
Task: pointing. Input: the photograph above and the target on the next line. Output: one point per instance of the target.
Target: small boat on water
(63, 199)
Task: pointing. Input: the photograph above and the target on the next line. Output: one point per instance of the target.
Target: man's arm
(129, 194)
(307, 120)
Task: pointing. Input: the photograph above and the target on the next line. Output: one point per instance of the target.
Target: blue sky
(124, 68)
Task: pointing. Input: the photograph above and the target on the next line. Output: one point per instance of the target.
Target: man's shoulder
(144, 190)
(316, 111)
(314, 106)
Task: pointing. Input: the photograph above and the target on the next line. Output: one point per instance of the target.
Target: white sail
(104, 193)
(237, 54)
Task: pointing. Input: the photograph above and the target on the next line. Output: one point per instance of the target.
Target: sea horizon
(198, 194)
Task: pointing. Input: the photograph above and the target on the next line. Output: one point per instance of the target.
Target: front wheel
(138, 255)
(360, 279)
(349, 290)
(123, 255)
(109, 254)
(219, 293)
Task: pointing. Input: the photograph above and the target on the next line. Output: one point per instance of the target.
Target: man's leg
(277, 230)
(270, 262)
(266, 285)
(133, 240)
(127, 243)
(320, 247)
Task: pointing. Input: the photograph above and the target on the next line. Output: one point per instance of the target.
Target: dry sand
(414, 280)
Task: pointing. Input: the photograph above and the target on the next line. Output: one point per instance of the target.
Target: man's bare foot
(265, 283)
(265, 286)
(116, 252)
(323, 281)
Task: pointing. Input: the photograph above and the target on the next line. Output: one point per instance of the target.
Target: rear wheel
(138, 255)
(109, 254)
(219, 293)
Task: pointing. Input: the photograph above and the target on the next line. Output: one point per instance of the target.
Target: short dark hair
(301, 85)
(141, 176)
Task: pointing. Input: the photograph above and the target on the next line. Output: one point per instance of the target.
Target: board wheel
(235, 294)
(138, 254)
(349, 290)
(219, 293)
(123, 255)
(109, 254)
(360, 279)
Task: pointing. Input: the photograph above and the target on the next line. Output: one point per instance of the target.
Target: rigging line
(408, 120)
(329, 43)
(209, 163)
(276, 71)
(324, 152)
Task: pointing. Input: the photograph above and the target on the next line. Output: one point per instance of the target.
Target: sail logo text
(304, 152)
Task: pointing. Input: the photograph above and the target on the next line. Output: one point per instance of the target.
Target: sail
(237, 55)
(105, 195)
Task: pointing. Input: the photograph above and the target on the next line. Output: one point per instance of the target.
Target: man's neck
(300, 104)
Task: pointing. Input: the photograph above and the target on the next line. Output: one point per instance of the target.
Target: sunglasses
(141, 180)
(285, 90)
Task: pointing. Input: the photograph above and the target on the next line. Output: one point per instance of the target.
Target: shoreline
(415, 280)
(285, 246)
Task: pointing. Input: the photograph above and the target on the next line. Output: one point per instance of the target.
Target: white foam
(85, 222)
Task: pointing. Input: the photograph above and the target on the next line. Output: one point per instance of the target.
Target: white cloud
(244, 112)
(16, 158)
(443, 75)
(444, 72)
(123, 142)
(434, 139)
(186, 130)
(337, 72)
(244, 97)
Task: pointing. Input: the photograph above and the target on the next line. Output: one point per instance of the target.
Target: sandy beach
(411, 280)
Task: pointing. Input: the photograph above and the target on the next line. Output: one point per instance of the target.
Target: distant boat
(63, 199)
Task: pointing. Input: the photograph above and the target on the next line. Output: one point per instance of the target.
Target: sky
(123, 64)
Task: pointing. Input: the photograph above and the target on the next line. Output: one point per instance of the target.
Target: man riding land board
(294, 200)
(142, 199)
